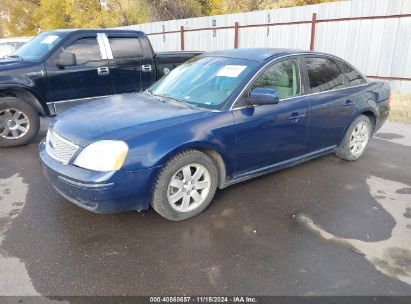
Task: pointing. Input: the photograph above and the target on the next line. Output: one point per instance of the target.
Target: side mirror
(263, 96)
(66, 59)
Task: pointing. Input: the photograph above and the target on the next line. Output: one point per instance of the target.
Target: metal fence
(374, 35)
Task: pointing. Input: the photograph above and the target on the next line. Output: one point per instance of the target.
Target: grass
(400, 107)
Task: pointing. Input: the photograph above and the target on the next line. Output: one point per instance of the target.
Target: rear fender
(368, 108)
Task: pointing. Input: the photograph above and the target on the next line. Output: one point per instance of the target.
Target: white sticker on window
(49, 39)
(231, 70)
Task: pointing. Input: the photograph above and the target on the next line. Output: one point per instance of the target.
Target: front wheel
(185, 186)
(19, 122)
(356, 139)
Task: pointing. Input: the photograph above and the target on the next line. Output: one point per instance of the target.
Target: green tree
(88, 13)
(170, 9)
(51, 14)
(17, 17)
(29, 17)
(130, 12)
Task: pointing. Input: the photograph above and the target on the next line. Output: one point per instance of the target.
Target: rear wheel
(356, 139)
(185, 186)
(19, 122)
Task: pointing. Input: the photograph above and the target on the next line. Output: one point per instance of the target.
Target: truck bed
(170, 60)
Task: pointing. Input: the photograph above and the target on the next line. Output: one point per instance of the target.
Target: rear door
(71, 85)
(148, 67)
(331, 104)
(125, 62)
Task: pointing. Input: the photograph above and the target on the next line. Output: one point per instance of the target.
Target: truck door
(125, 62)
(89, 78)
(148, 67)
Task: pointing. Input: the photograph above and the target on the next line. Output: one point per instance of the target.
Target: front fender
(214, 132)
(27, 93)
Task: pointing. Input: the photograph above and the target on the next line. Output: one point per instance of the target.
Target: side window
(282, 76)
(86, 49)
(323, 74)
(125, 47)
(354, 78)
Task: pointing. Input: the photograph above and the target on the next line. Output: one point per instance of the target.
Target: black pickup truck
(62, 68)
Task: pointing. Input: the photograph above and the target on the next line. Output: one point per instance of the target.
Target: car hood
(120, 117)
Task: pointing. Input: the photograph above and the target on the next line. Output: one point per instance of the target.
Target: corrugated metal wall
(379, 47)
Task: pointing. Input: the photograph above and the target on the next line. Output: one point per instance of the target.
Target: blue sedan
(219, 119)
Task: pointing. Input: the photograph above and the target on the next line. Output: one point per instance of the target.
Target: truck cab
(62, 68)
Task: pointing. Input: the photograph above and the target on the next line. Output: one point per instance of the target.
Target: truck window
(125, 47)
(86, 49)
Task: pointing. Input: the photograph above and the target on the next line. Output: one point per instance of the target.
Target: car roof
(257, 54)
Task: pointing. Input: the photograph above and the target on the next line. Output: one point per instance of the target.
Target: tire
(356, 139)
(175, 181)
(17, 129)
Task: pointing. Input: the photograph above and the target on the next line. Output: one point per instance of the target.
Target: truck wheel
(356, 139)
(19, 122)
(185, 186)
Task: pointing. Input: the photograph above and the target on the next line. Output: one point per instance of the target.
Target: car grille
(59, 148)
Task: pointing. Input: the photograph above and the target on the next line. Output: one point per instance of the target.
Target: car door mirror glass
(263, 96)
(66, 59)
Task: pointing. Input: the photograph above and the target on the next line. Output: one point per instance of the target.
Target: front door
(269, 135)
(89, 78)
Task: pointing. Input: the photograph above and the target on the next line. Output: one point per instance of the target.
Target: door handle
(103, 71)
(146, 67)
(295, 117)
(348, 103)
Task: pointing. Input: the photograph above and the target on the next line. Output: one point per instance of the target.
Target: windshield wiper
(15, 56)
(175, 99)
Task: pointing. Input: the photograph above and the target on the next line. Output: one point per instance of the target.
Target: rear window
(353, 77)
(323, 74)
(125, 47)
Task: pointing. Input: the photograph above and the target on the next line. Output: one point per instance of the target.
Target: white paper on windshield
(231, 70)
(49, 39)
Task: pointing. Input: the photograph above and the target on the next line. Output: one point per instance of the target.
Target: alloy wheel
(14, 123)
(189, 187)
(359, 138)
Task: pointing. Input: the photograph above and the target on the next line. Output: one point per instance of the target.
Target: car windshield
(204, 81)
(37, 48)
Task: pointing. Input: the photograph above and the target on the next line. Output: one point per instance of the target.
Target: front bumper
(101, 192)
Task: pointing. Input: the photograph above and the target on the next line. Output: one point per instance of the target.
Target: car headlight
(103, 156)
